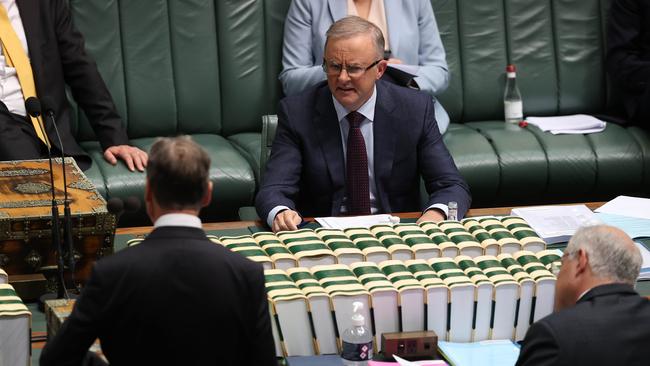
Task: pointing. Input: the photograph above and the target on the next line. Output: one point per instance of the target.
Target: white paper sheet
(573, 124)
(356, 221)
(627, 206)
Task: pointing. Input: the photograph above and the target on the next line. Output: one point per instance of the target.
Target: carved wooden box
(26, 218)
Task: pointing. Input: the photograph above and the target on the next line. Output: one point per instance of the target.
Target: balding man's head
(596, 255)
(612, 254)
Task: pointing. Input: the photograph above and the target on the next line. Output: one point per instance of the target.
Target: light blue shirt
(368, 111)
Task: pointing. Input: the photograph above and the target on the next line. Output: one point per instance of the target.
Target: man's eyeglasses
(334, 69)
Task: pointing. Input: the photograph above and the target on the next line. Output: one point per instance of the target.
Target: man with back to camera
(599, 319)
(42, 52)
(357, 145)
(176, 298)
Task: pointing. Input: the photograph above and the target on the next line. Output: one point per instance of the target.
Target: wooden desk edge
(494, 211)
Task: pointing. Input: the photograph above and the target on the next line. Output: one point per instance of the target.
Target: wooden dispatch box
(26, 218)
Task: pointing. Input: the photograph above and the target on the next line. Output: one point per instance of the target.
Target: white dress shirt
(11, 92)
(178, 219)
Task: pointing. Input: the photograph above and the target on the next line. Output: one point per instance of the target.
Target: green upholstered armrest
(269, 125)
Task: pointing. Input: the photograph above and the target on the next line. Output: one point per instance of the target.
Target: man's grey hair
(352, 26)
(611, 253)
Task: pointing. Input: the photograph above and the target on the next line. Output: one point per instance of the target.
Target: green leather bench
(209, 68)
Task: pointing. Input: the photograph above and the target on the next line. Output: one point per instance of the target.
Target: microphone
(48, 107)
(33, 107)
(131, 204)
(118, 206)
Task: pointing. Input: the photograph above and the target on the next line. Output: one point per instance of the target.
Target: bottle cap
(511, 68)
(357, 318)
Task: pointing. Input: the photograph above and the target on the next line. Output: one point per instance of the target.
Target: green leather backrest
(192, 66)
(211, 66)
(557, 46)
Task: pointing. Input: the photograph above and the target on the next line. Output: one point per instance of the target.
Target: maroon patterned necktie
(357, 168)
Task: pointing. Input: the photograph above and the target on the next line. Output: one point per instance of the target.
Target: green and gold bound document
(26, 218)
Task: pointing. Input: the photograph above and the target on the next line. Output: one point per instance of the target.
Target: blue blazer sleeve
(300, 54)
(433, 75)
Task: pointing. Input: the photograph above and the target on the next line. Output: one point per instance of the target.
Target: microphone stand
(33, 107)
(67, 218)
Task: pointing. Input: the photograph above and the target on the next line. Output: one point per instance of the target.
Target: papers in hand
(574, 124)
(556, 224)
(356, 221)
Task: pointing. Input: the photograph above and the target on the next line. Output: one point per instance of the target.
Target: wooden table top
(494, 211)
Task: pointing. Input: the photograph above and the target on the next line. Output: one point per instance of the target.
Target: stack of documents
(632, 215)
(574, 124)
(556, 224)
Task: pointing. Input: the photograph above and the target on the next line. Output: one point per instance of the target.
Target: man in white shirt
(599, 318)
(173, 298)
(57, 58)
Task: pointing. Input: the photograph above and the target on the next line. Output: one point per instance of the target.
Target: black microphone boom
(33, 107)
(48, 107)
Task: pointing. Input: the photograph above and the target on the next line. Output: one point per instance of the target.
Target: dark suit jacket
(610, 325)
(174, 299)
(58, 57)
(628, 52)
(306, 170)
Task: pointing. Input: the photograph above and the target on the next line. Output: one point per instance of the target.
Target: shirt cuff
(440, 207)
(274, 212)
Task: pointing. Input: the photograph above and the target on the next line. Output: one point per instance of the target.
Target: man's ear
(582, 262)
(148, 195)
(381, 68)
(205, 201)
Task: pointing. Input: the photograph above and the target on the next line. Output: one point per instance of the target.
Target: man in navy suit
(599, 318)
(357, 145)
(176, 298)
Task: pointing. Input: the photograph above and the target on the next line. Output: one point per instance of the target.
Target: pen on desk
(302, 224)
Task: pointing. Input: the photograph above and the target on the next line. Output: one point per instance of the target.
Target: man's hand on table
(431, 215)
(286, 220)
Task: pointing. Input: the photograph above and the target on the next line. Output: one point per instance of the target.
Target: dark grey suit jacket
(306, 170)
(58, 57)
(174, 299)
(610, 325)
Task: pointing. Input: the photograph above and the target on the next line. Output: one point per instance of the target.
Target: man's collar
(178, 219)
(367, 109)
(607, 289)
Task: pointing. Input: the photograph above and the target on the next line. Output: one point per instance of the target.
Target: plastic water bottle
(357, 340)
(452, 211)
(513, 106)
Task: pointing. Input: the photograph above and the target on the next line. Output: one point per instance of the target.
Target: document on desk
(633, 226)
(485, 353)
(356, 221)
(627, 206)
(403, 362)
(645, 266)
(573, 124)
(556, 224)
